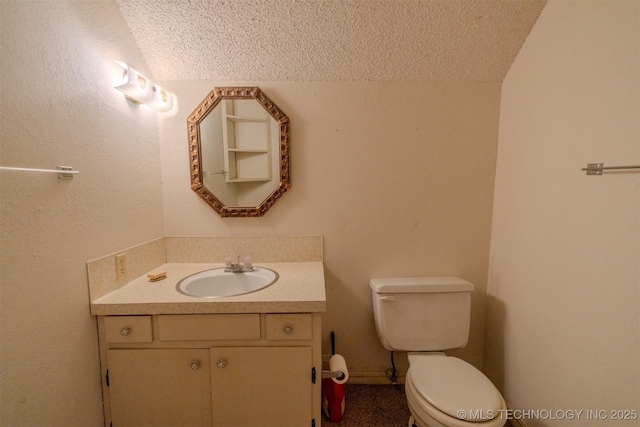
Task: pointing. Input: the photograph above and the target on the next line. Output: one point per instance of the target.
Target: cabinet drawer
(128, 329)
(195, 327)
(289, 326)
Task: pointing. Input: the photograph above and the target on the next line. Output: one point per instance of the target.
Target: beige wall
(59, 108)
(397, 178)
(563, 322)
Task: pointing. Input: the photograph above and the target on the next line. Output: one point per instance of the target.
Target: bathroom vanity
(246, 360)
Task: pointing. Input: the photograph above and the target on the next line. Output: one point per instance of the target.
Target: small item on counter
(154, 277)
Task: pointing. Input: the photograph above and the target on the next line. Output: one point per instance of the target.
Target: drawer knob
(125, 331)
(195, 365)
(288, 329)
(221, 363)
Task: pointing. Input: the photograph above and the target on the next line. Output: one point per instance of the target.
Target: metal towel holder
(64, 172)
(598, 168)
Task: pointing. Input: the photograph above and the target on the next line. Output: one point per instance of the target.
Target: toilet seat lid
(452, 385)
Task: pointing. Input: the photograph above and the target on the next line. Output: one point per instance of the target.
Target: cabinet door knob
(221, 363)
(125, 331)
(288, 329)
(195, 365)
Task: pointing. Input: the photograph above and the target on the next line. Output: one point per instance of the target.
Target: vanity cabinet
(253, 369)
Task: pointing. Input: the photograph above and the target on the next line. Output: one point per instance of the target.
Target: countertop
(300, 288)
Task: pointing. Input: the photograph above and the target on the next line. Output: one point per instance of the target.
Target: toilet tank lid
(407, 285)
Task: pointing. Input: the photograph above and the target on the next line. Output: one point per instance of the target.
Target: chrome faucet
(237, 267)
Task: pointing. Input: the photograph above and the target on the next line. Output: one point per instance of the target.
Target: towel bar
(597, 168)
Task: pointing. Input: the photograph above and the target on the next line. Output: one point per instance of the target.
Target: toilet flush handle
(388, 298)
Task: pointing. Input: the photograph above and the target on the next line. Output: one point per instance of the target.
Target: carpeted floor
(373, 406)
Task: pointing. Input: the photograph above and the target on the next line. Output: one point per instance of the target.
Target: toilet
(425, 316)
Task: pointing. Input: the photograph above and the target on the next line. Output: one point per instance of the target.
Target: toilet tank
(422, 313)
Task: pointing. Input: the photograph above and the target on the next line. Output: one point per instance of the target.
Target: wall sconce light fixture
(140, 90)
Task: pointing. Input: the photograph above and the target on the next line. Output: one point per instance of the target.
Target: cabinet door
(261, 386)
(159, 387)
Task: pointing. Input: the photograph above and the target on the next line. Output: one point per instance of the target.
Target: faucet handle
(247, 262)
(228, 262)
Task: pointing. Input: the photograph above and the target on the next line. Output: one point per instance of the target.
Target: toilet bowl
(444, 391)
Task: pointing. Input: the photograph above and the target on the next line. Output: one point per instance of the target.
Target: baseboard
(366, 377)
(373, 378)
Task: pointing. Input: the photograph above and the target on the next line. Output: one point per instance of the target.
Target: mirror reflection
(239, 144)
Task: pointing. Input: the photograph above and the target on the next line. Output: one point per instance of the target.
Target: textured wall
(59, 108)
(564, 310)
(397, 178)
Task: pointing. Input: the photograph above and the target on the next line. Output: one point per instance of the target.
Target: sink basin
(217, 283)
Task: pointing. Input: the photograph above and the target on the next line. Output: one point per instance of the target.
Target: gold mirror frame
(195, 149)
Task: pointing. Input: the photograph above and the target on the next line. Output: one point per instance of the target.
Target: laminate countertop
(300, 288)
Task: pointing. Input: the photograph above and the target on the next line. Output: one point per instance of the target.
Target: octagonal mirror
(239, 151)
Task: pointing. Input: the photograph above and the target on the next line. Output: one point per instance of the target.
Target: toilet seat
(443, 386)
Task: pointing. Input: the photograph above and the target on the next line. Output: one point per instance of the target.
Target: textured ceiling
(303, 40)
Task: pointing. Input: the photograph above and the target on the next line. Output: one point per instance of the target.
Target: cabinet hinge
(107, 378)
(313, 375)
